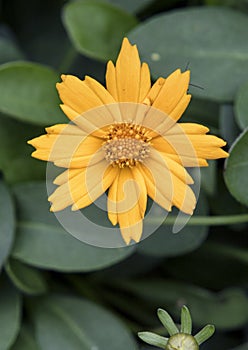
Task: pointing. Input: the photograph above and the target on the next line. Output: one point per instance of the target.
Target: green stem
(204, 220)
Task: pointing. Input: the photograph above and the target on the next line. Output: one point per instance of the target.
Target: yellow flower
(125, 139)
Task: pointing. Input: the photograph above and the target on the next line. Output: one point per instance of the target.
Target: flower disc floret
(127, 144)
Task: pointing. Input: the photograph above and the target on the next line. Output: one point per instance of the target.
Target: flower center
(127, 144)
(182, 341)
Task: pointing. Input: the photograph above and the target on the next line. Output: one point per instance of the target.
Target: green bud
(182, 341)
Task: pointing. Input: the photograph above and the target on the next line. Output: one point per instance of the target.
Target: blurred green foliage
(59, 293)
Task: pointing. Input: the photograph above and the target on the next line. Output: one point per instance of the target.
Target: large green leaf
(41, 241)
(26, 278)
(227, 309)
(165, 243)
(22, 166)
(208, 177)
(25, 340)
(218, 266)
(10, 306)
(237, 169)
(96, 28)
(241, 106)
(241, 347)
(8, 50)
(212, 40)
(131, 5)
(7, 222)
(28, 93)
(229, 129)
(69, 323)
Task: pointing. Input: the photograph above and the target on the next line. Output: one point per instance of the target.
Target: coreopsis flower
(179, 339)
(126, 139)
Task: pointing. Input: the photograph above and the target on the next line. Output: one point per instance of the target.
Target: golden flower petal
(187, 128)
(177, 190)
(155, 190)
(81, 95)
(130, 231)
(83, 187)
(172, 91)
(178, 170)
(128, 199)
(129, 81)
(81, 99)
(204, 146)
(112, 200)
(95, 187)
(111, 80)
(153, 93)
(67, 150)
(161, 177)
(187, 161)
(145, 81)
(127, 69)
(65, 176)
(180, 107)
(65, 129)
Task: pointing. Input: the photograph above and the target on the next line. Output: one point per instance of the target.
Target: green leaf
(241, 106)
(229, 129)
(153, 339)
(25, 340)
(7, 222)
(237, 169)
(26, 278)
(213, 40)
(96, 28)
(22, 166)
(42, 242)
(241, 347)
(227, 263)
(208, 177)
(9, 51)
(164, 242)
(203, 111)
(227, 309)
(131, 6)
(10, 306)
(70, 323)
(28, 93)
(222, 202)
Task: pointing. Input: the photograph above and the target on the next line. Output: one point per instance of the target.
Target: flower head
(125, 138)
(178, 340)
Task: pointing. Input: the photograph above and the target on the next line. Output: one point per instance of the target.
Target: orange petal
(128, 73)
(131, 203)
(83, 187)
(173, 90)
(153, 93)
(128, 81)
(145, 82)
(158, 180)
(111, 80)
(67, 149)
(205, 146)
(97, 179)
(169, 184)
(81, 95)
(112, 200)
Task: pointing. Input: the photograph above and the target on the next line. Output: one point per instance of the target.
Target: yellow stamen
(127, 144)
